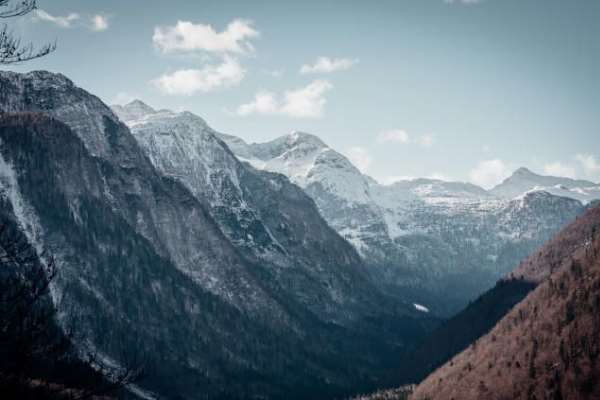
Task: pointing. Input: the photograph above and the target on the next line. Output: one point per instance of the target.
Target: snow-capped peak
(297, 137)
(133, 110)
(523, 181)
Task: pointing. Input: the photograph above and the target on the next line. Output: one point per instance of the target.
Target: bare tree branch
(19, 9)
(12, 50)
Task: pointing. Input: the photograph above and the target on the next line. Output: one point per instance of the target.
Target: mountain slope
(428, 241)
(270, 220)
(147, 267)
(548, 345)
(481, 315)
(523, 180)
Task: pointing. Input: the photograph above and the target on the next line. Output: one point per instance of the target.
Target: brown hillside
(547, 346)
(542, 263)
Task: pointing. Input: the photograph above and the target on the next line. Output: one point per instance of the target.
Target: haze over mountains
(436, 243)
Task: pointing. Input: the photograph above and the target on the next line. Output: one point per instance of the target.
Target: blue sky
(464, 90)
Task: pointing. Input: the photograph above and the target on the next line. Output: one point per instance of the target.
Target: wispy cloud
(489, 173)
(305, 102)
(186, 36)
(66, 21)
(325, 65)
(97, 23)
(394, 135)
(209, 78)
(401, 136)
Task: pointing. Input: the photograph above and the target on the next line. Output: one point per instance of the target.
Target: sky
(465, 90)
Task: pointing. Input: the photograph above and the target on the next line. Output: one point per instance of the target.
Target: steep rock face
(112, 282)
(547, 346)
(146, 266)
(429, 241)
(269, 219)
(158, 210)
(523, 180)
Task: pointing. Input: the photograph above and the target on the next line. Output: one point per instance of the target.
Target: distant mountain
(523, 181)
(222, 279)
(436, 243)
(548, 345)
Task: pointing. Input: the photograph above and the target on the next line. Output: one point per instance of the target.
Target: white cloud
(591, 167)
(264, 103)
(359, 157)
(489, 173)
(394, 135)
(401, 136)
(95, 23)
(209, 78)
(187, 36)
(99, 23)
(327, 65)
(560, 169)
(61, 21)
(306, 102)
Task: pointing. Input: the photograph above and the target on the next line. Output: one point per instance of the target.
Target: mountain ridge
(406, 232)
(523, 180)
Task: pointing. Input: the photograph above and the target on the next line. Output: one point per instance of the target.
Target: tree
(12, 50)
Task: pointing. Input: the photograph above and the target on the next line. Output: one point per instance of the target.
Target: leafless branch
(19, 9)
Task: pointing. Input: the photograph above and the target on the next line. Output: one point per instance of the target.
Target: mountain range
(273, 270)
(429, 242)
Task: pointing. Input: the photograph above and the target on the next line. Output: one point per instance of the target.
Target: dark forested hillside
(456, 334)
(548, 345)
(145, 266)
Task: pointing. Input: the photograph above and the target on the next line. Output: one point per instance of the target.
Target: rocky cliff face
(269, 219)
(194, 272)
(429, 241)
